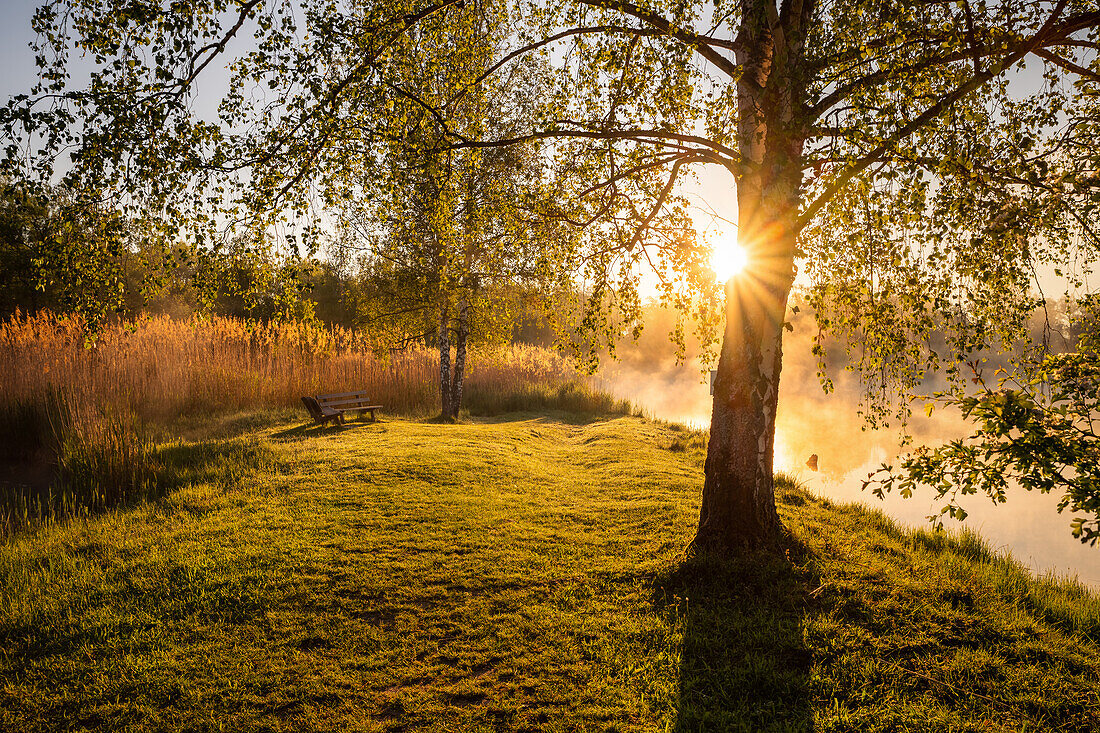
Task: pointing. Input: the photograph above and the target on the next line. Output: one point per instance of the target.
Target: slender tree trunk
(445, 359)
(461, 336)
(471, 233)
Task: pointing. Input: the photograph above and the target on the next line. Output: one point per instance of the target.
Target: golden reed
(157, 368)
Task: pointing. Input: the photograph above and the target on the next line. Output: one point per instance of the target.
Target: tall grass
(83, 406)
(65, 459)
(159, 368)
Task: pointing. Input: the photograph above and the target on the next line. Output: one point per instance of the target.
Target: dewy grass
(571, 396)
(515, 574)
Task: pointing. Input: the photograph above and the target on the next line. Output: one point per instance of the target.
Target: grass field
(523, 572)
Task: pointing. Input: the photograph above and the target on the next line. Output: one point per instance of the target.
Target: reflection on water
(811, 422)
(1028, 525)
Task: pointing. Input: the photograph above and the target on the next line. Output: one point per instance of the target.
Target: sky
(17, 70)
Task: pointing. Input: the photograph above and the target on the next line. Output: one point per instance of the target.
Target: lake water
(810, 422)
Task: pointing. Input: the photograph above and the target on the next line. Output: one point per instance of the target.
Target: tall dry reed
(159, 368)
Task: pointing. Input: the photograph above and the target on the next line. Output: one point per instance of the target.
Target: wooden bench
(326, 407)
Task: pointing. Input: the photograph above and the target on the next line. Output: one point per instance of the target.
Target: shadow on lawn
(744, 666)
(225, 463)
(313, 430)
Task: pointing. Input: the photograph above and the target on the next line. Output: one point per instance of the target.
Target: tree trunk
(445, 360)
(460, 355)
(738, 510)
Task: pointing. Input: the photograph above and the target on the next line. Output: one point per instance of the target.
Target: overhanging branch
(702, 45)
(1053, 36)
(975, 82)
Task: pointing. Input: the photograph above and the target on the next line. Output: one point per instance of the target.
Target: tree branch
(927, 116)
(637, 169)
(701, 44)
(1066, 64)
(585, 30)
(1053, 36)
(657, 206)
(649, 137)
(215, 48)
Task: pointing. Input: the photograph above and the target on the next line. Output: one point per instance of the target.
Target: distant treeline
(93, 263)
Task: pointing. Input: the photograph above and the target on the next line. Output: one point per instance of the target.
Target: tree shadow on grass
(328, 430)
(224, 463)
(744, 666)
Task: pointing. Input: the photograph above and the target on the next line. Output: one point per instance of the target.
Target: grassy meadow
(516, 573)
(182, 550)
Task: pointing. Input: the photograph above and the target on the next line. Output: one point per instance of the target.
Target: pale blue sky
(16, 59)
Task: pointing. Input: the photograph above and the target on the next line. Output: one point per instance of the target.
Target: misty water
(811, 422)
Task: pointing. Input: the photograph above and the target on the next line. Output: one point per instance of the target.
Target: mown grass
(521, 572)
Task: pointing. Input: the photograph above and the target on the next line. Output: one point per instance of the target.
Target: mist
(811, 422)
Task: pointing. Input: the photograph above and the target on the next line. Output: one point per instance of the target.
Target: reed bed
(160, 368)
(85, 407)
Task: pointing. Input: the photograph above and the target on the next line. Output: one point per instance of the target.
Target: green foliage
(446, 237)
(65, 255)
(943, 232)
(249, 279)
(1038, 434)
(60, 253)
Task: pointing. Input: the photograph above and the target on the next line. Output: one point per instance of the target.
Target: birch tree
(447, 229)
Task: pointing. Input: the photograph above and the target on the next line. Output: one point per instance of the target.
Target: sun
(727, 258)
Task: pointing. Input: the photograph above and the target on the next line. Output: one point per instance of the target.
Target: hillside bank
(519, 573)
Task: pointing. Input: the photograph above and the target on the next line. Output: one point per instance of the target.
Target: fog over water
(812, 422)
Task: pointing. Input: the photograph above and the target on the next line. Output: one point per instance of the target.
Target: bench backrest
(343, 400)
(314, 408)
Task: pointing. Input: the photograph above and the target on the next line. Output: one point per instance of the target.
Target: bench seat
(333, 407)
